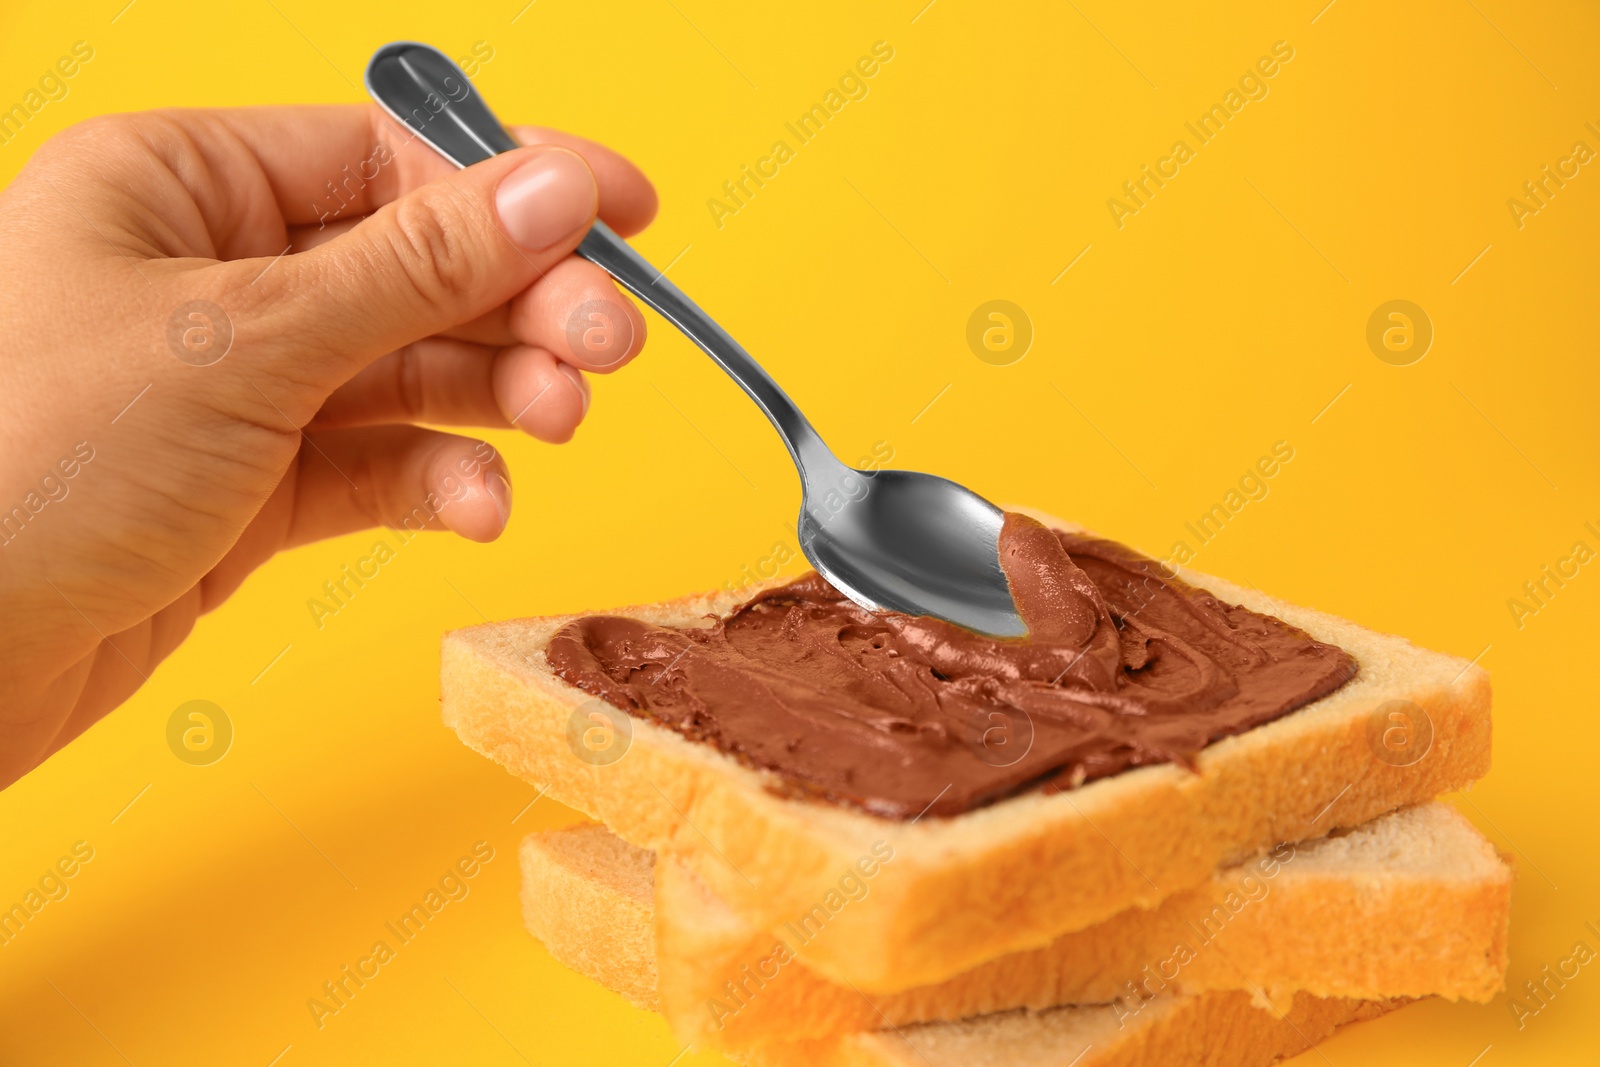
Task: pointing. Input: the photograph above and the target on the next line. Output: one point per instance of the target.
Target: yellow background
(1223, 317)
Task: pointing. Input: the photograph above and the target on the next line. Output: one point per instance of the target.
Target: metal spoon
(889, 540)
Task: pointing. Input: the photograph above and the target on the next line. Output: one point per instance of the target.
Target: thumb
(439, 256)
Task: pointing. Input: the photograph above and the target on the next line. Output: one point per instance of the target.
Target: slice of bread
(587, 894)
(582, 894)
(1215, 1029)
(1008, 877)
(1412, 904)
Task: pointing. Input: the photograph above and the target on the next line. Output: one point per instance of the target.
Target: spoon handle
(423, 89)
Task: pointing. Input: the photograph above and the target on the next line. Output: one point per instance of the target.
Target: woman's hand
(217, 331)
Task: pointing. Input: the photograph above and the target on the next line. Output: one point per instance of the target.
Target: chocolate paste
(899, 715)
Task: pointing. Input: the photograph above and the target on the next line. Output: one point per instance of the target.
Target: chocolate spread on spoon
(1123, 665)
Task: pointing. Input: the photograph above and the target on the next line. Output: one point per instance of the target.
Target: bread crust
(1216, 1029)
(587, 895)
(1416, 903)
(1008, 877)
(582, 897)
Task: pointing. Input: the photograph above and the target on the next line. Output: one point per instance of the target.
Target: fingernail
(546, 200)
(500, 491)
(575, 376)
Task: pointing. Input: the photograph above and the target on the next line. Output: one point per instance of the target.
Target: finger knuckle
(433, 246)
(364, 491)
(409, 385)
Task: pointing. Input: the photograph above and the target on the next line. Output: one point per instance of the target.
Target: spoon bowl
(889, 540)
(911, 542)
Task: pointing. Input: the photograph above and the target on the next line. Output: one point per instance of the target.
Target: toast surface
(1008, 877)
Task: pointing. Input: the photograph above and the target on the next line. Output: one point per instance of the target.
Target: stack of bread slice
(1296, 877)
